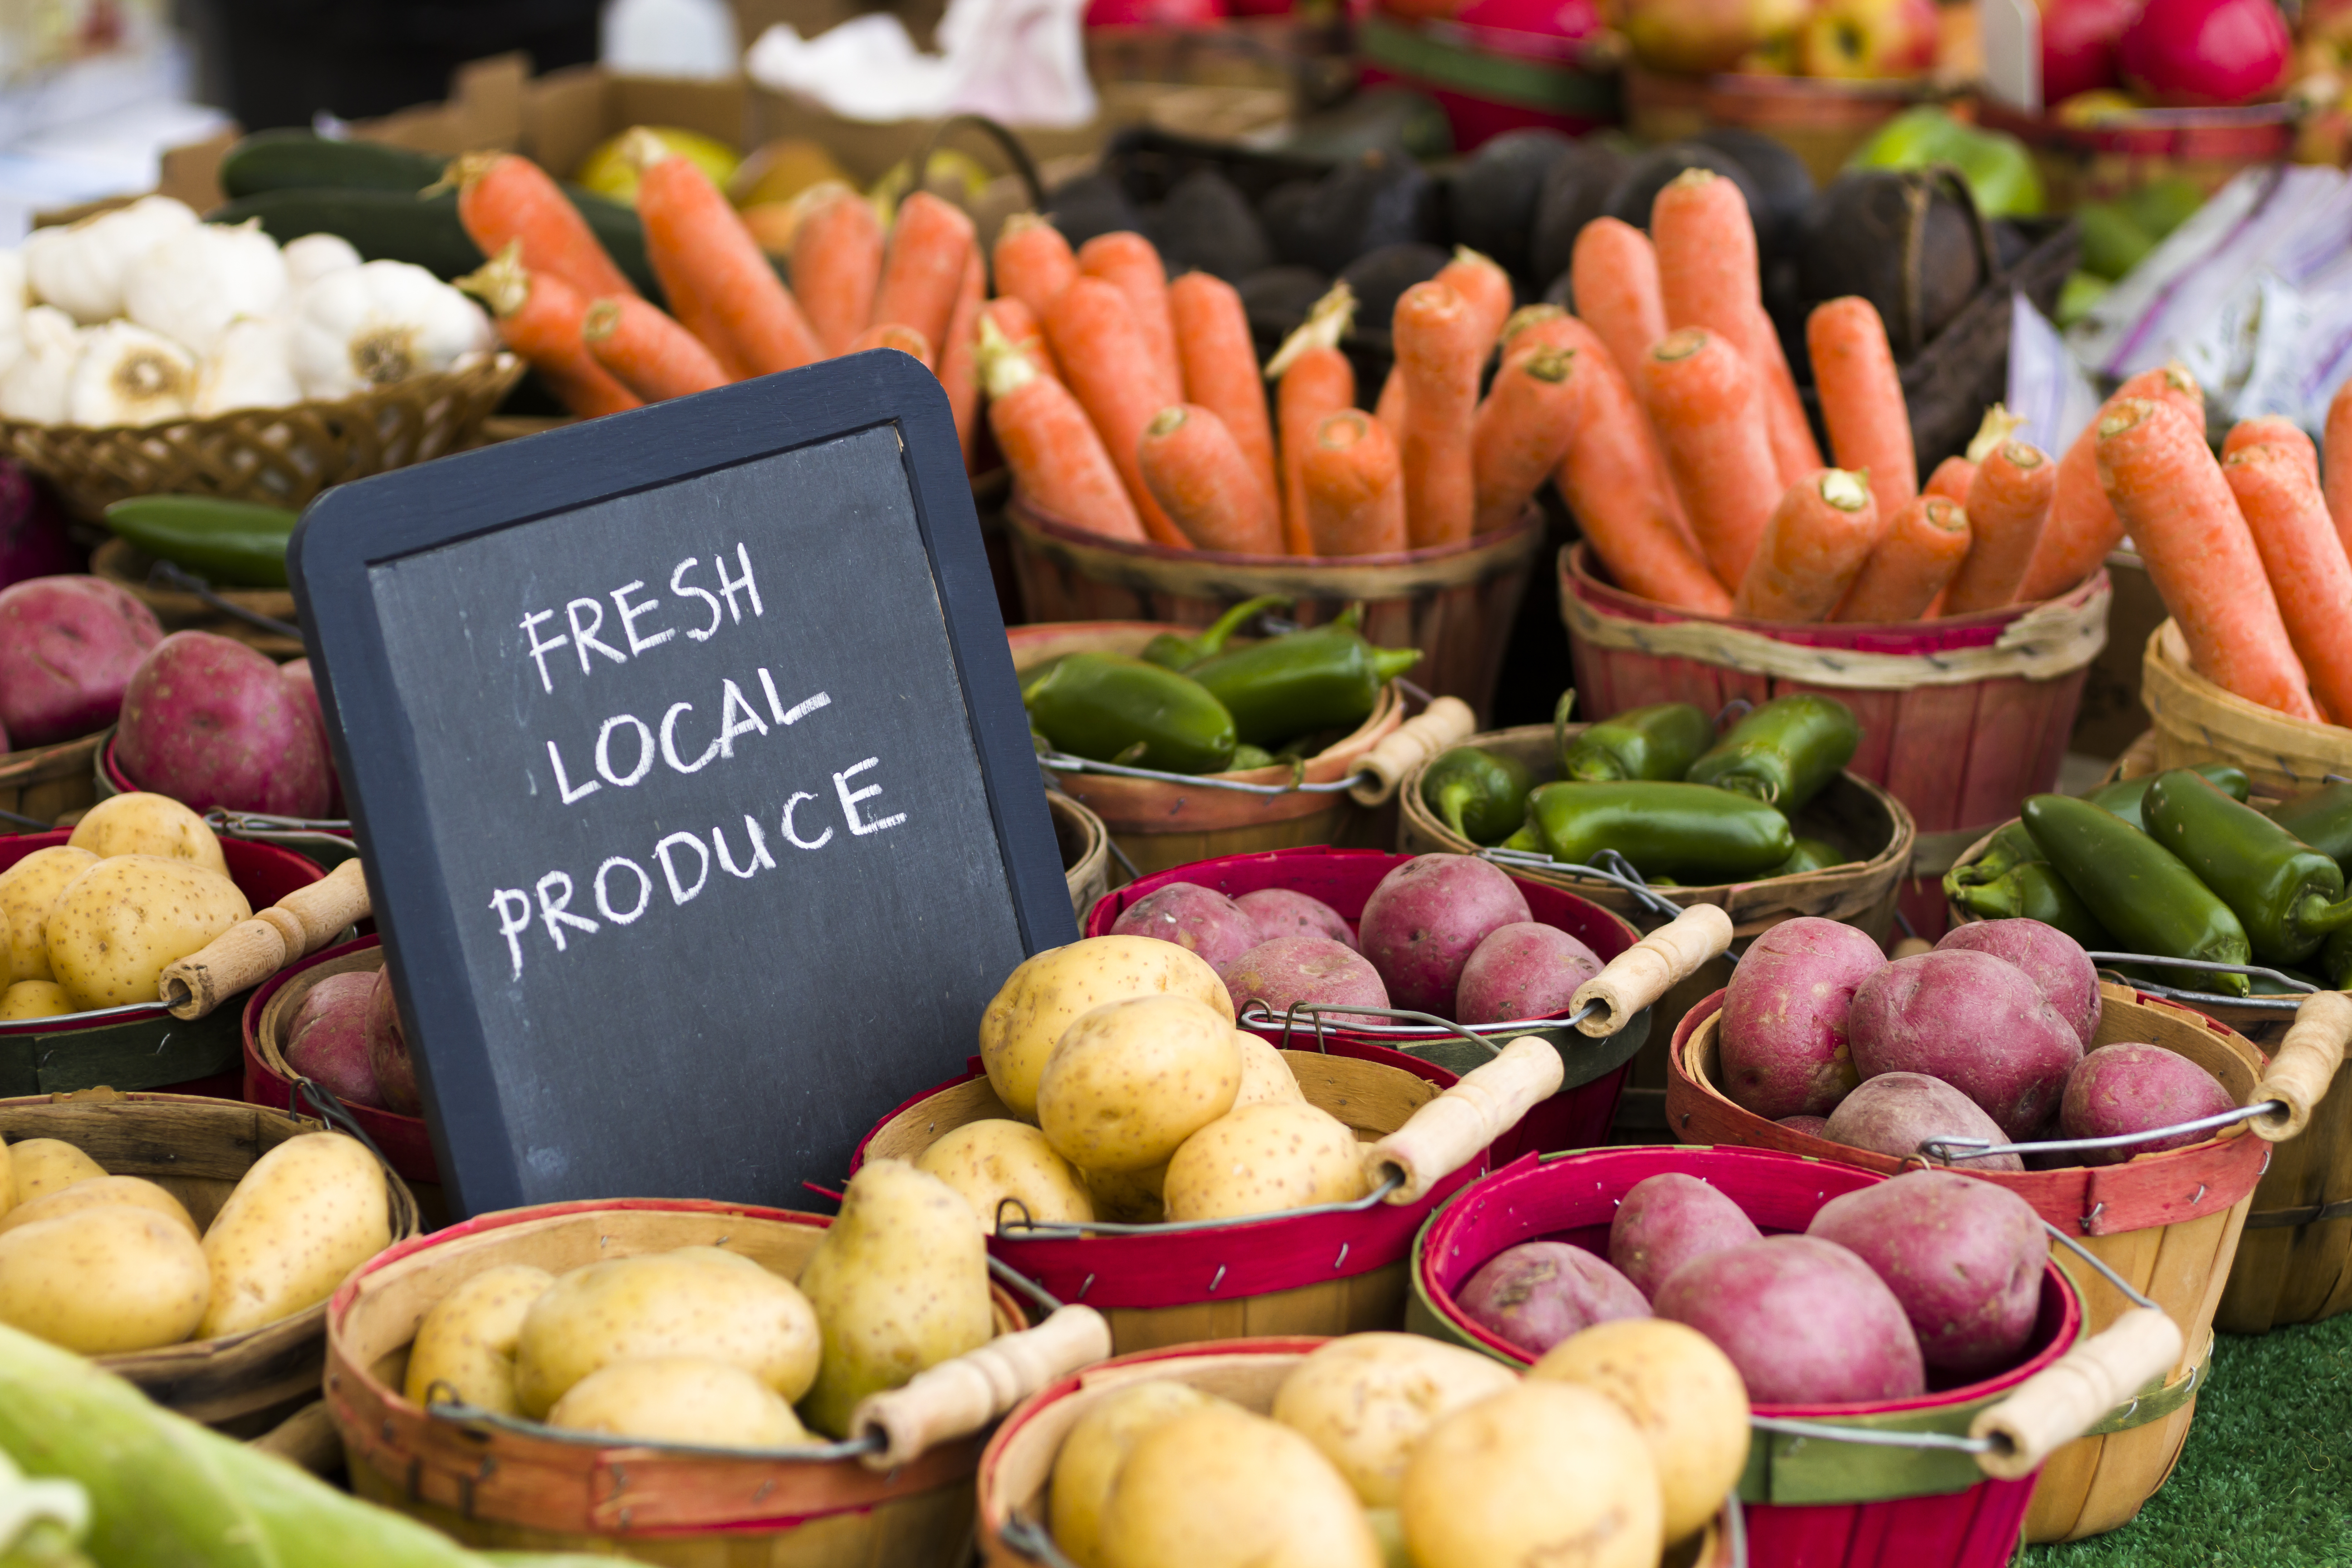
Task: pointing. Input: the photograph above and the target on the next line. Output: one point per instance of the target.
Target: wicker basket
(2198, 721)
(276, 457)
(50, 782)
(1085, 851)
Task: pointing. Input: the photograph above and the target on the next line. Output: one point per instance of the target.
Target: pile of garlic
(146, 313)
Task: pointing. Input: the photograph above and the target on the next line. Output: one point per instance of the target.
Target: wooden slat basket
(2198, 721)
(126, 566)
(1085, 851)
(46, 782)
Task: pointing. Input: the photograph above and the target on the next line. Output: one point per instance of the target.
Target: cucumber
(230, 544)
(299, 160)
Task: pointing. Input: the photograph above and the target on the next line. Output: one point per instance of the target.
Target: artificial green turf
(2267, 1479)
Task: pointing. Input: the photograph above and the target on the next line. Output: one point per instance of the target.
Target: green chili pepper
(231, 544)
(2010, 847)
(2288, 896)
(1784, 753)
(1247, 757)
(1173, 650)
(1659, 742)
(2265, 987)
(2139, 890)
(1665, 828)
(1322, 677)
(1561, 713)
(2033, 891)
(2321, 819)
(2124, 796)
(1112, 708)
(1809, 855)
(2335, 962)
(1478, 793)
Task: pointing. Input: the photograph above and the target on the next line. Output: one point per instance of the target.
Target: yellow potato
(114, 927)
(1265, 1075)
(1220, 1487)
(46, 1165)
(309, 1212)
(1090, 1457)
(468, 1340)
(1263, 1159)
(143, 824)
(27, 889)
(988, 1162)
(1129, 1197)
(1040, 1000)
(1366, 1399)
(35, 999)
(99, 1192)
(680, 1399)
(1509, 1479)
(1684, 1394)
(102, 1280)
(1130, 1081)
(694, 1302)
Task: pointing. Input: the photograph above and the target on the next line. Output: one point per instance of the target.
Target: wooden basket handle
(1446, 1133)
(250, 951)
(1653, 966)
(2298, 1077)
(2067, 1398)
(1446, 722)
(958, 1397)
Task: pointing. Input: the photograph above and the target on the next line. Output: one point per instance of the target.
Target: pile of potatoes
(706, 1346)
(1393, 1449)
(92, 922)
(103, 1265)
(1137, 1099)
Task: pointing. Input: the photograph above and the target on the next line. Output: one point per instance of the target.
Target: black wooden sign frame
(358, 527)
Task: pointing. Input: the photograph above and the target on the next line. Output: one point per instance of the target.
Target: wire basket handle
(251, 951)
(960, 1396)
(2073, 1393)
(2297, 1077)
(1650, 968)
(1446, 1133)
(1446, 722)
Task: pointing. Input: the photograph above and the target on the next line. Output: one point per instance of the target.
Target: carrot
(893, 335)
(2173, 497)
(1128, 262)
(1094, 335)
(1707, 277)
(2279, 496)
(1521, 433)
(2338, 481)
(1200, 476)
(1623, 500)
(1032, 262)
(1534, 325)
(1312, 378)
(1018, 326)
(1354, 485)
(1485, 288)
(2083, 526)
(1951, 480)
(836, 260)
(2008, 502)
(1057, 460)
(1440, 344)
(1923, 543)
(539, 318)
(1862, 398)
(719, 281)
(1615, 272)
(922, 269)
(1389, 409)
(958, 369)
(646, 352)
(1220, 366)
(1821, 531)
(2272, 430)
(502, 199)
(1702, 396)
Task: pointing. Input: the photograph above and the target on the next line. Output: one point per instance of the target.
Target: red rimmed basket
(329, 843)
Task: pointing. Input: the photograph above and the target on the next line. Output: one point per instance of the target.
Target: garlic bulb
(128, 375)
(13, 304)
(79, 268)
(193, 284)
(314, 256)
(380, 322)
(34, 389)
(247, 369)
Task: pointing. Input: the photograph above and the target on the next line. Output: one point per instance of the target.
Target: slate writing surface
(722, 871)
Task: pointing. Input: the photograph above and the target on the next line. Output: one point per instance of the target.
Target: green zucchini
(230, 544)
(301, 160)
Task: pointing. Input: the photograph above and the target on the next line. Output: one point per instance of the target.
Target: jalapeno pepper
(233, 543)
(2265, 987)
(2335, 962)
(1659, 742)
(1173, 650)
(2321, 819)
(2124, 796)
(2010, 847)
(2139, 890)
(2288, 896)
(1784, 753)
(1809, 855)
(1481, 796)
(1322, 677)
(1112, 708)
(1665, 828)
(1247, 757)
(2033, 891)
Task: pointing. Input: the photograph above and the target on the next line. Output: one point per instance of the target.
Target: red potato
(305, 688)
(1538, 1293)
(1281, 911)
(396, 1070)
(67, 649)
(1978, 1022)
(1817, 1126)
(209, 723)
(1293, 969)
(1666, 1221)
(1896, 1113)
(1427, 917)
(327, 1040)
(2055, 960)
(1805, 1321)
(1199, 920)
(1785, 1051)
(2131, 1087)
(1963, 1256)
(1528, 970)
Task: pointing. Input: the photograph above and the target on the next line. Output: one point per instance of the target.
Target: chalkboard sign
(686, 756)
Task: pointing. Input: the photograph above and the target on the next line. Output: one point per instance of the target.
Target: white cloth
(1019, 61)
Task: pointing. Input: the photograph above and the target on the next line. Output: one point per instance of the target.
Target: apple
(1869, 40)
(2078, 45)
(2193, 52)
(1701, 36)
